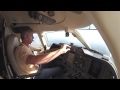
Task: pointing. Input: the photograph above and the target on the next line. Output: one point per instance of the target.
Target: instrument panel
(81, 65)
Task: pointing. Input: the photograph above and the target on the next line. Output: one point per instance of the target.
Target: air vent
(77, 12)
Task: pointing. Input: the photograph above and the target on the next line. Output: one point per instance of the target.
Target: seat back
(12, 43)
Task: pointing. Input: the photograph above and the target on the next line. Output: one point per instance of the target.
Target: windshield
(59, 37)
(94, 39)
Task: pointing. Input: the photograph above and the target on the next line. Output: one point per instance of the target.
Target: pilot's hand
(65, 48)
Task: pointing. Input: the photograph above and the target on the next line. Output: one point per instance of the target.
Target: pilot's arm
(47, 57)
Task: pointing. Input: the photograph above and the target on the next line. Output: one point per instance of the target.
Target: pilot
(31, 63)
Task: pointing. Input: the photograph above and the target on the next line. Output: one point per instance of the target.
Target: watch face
(51, 13)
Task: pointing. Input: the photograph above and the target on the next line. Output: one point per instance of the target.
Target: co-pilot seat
(12, 43)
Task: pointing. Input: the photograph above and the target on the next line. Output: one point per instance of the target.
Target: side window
(94, 39)
(36, 42)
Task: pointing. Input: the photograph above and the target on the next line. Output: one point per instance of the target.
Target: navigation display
(70, 57)
(95, 68)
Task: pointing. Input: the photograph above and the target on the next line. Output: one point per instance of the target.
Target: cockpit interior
(92, 54)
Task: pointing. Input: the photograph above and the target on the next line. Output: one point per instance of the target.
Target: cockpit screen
(95, 68)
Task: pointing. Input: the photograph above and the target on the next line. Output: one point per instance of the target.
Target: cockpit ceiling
(65, 19)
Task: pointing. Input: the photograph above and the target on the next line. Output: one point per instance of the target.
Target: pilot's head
(27, 34)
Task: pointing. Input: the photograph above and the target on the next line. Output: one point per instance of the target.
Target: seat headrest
(12, 43)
